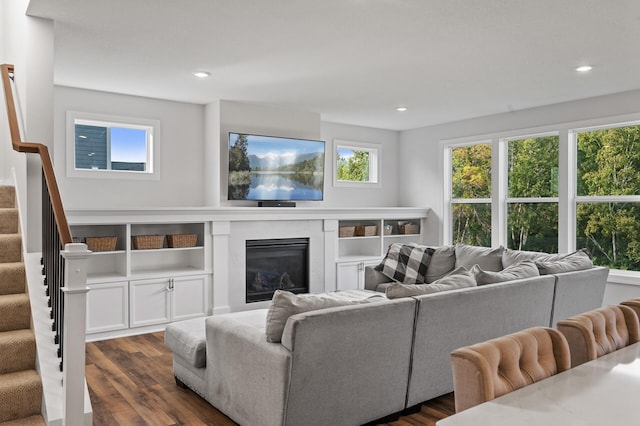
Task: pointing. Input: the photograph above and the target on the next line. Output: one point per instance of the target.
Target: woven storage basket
(181, 240)
(144, 242)
(366, 231)
(101, 243)
(346, 231)
(409, 228)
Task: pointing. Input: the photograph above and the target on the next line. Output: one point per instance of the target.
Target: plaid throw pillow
(406, 263)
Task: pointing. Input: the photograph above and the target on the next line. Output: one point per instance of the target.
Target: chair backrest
(633, 304)
(599, 332)
(487, 370)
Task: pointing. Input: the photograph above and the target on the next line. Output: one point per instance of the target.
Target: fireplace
(276, 264)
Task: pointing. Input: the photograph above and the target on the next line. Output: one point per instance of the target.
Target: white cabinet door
(107, 307)
(190, 297)
(350, 275)
(150, 302)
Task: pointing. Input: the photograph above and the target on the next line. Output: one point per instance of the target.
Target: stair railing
(64, 269)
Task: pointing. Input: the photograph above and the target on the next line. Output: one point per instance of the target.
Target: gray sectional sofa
(369, 357)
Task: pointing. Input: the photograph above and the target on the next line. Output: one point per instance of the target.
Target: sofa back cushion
(489, 259)
(576, 261)
(285, 304)
(443, 261)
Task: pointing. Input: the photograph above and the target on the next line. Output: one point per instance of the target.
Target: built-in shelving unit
(131, 288)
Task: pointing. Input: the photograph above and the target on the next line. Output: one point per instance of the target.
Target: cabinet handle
(170, 286)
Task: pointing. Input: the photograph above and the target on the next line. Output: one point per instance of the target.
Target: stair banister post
(75, 291)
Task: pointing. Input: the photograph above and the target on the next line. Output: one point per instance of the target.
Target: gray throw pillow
(524, 269)
(510, 257)
(443, 261)
(489, 259)
(284, 304)
(406, 263)
(458, 278)
(575, 261)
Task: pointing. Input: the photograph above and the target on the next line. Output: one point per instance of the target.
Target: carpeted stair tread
(18, 349)
(15, 312)
(36, 420)
(20, 395)
(8, 221)
(12, 278)
(10, 248)
(7, 196)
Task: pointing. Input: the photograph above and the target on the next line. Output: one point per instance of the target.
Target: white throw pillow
(489, 259)
(575, 261)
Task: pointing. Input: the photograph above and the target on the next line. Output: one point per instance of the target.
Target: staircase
(20, 384)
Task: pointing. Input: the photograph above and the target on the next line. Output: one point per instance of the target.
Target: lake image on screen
(270, 168)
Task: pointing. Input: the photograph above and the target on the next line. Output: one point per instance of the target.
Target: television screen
(270, 168)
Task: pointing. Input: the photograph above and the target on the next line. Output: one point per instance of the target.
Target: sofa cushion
(458, 278)
(188, 340)
(509, 256)
(406, 263)
(285, 304)
(443, 261)
(524, 269)
(575, 261)
(489, 259)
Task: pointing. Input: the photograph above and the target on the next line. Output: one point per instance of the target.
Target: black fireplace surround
(276, 264)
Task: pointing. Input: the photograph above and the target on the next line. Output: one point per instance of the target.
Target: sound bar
(276, 204)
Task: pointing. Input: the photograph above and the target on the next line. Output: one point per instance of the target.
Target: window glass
(471, 171)
(611, 233)
(356, 163)
(106, 146)
(532, 227)
(472, 224)
(533, 167)
(609, 161)
(532, 179)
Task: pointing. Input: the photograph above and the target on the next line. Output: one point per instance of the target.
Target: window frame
(375, 165)
(153, 145)
(567, 187)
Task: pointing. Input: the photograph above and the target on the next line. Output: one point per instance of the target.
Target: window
(532, 193)
(608, 194)
(554, 191)
(471, 194)
(104, 146)
(356, 163)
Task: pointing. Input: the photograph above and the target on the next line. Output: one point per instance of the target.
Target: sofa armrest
(248, 377)
(373, 278)
(578, 291)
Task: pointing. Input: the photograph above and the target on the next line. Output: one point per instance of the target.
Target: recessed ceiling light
(401, 109)
(584, 68)
(202, 74)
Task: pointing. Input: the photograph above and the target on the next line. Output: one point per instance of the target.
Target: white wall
(421, 174)
(374, 196)
(224, 116)
(181, 144)
(28, 44)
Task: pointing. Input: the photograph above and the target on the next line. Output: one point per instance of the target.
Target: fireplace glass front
(276, 264)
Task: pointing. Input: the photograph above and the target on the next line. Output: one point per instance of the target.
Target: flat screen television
(272, 168)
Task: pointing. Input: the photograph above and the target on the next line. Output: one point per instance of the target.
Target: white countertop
(601, 392)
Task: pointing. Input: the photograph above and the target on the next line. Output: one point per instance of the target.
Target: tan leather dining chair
(487, 370)
(633, 304)
(599, 332)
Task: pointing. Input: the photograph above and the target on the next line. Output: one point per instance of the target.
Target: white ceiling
(353, 61)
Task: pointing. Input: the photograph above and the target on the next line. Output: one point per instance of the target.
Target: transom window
(356, 163)
(111, 146)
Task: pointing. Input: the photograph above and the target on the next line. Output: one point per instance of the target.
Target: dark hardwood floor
(131, 383)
